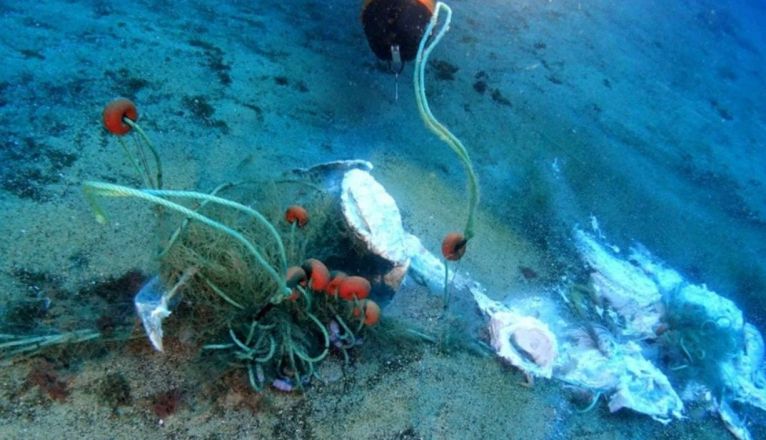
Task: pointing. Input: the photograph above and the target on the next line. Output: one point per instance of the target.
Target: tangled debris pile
(649, 331)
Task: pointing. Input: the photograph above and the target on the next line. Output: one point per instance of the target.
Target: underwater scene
(383, 219)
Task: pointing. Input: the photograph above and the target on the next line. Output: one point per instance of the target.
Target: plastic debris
(642, 387)
(626, 288)
(329, 175)
(374, 218)
(732, 421)
(152, 307)
(152, 302)
(525, 342)
(718, 353)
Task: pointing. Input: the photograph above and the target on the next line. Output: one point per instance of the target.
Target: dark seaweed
(44, 376)
(480, 86)
(722, 112)
(117, 289)
(203, 111)
(116, 309)
(482, 79)
(408, 434)
(199, 107)
(29, 54)
(554, 79)
(499, 98)
(31, 166)
(166, 403)
(214, 60)
(114, 391)
(444, 70)
(126, 83)
(722, 190)
(24, 315)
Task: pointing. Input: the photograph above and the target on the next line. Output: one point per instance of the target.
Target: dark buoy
(394, 27)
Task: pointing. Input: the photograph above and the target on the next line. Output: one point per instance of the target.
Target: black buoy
(394, 27)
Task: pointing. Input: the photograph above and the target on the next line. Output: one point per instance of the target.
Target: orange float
(453, 246)
(354, 287)
(371, 312)
(317, 273)
(297, 213)
(113, 115)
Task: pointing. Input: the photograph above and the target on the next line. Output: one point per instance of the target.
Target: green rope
(591, 405)
(132, 160)
(251, 332)
(217, 346)
(347, 332)
(93, 189)
(23, 344)
(424, 50)
(293, 226)
(291, 358)
(446, 286)
(149, 144)
(220, 293)
(326, 338)
(307, 296)
(239, 343)
(270, 353)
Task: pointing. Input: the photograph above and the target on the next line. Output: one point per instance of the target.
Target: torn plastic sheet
(623, 375)
(152, 307)
(373, 217)
(715, 350)
(524, 341)
(634, 296)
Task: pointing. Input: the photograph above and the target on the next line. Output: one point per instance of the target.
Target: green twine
(93, 189)
(424, 50)
(157, 184)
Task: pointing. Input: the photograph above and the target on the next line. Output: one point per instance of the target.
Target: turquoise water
(647, 116)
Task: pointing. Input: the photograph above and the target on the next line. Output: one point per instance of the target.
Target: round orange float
(297, 213)
(317, 273)
(113, 115)
(354, 287)
(453, 246)
(336, 277)
(371, 312)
